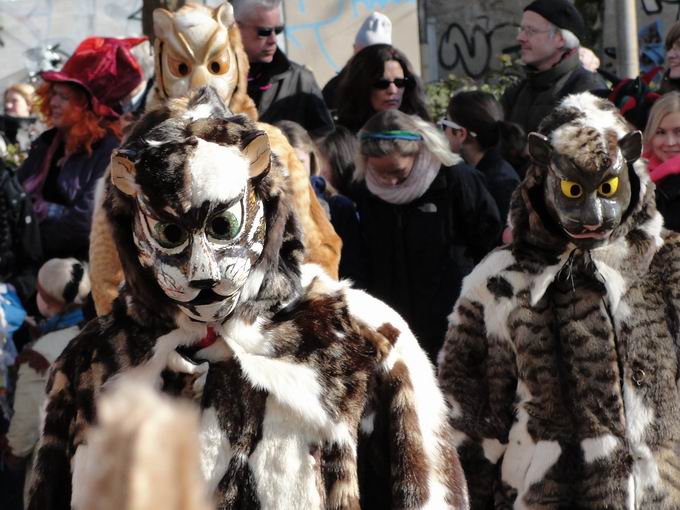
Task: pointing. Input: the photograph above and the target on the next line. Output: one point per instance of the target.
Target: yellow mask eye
(571, 189)
(608, 188)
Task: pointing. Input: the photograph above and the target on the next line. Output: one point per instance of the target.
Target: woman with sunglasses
(376, 79)
(425, 217)
(476, 130)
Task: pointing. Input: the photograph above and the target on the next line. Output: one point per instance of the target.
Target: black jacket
(532, 99)
(419, 253)
(284, 90)
(20, 248)
(668, 201)
(501, 180)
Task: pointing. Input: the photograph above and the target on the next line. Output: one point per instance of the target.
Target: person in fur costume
(561, 361)
(198, 46)
(313, 394)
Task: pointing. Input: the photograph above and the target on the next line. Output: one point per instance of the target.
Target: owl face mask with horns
(199, 225)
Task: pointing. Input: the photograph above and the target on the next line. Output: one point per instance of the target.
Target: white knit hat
(376, 29)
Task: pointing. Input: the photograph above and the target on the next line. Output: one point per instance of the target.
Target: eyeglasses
(531, 31)
(445, 122)
(384, 83)
(267, 31)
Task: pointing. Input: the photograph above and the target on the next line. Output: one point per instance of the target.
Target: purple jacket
(65, 232)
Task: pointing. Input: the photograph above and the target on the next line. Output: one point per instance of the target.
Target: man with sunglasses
(281, 89)
(549, 35)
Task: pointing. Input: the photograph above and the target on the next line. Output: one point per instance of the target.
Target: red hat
(105, 68)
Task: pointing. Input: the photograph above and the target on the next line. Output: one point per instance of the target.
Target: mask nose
(204, 273)
(199, 78)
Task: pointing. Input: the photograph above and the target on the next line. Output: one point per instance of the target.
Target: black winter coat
(501, 180)
(668, 201)
(533, 98)
(20, 249)
(419, 253)
(284, 90)
(66, 230)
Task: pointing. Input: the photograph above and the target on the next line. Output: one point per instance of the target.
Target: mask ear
(123, 173)
(258, 153)
(163, 24)
(631, 146)
(540, 149)
(225, 14)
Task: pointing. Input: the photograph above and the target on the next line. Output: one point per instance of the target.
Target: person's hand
(588, 59)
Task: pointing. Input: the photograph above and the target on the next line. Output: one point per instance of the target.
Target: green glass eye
(224, 226)
(170, 235)
(608, 188)
(571, 189)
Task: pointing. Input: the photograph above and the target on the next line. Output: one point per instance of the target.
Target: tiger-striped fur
(560, 365)
(314, 395)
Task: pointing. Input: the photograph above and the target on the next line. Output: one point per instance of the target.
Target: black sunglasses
(384, 83)
(267, 31)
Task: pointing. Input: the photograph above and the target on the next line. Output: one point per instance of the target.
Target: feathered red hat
(105, 68)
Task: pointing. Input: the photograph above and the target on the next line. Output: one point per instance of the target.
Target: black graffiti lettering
(471, 50)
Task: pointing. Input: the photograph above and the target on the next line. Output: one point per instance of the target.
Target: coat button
(638, 376)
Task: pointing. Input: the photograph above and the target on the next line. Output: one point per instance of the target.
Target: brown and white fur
(187, 37)
(314, 394)
(560, 365)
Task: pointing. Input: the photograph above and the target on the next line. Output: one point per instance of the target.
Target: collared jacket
(284, 90)
(418, 253)
(532, 99)
(65, 232)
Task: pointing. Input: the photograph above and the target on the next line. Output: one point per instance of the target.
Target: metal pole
(627, 54)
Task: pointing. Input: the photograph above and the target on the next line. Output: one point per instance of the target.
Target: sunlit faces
(541, 43)
(666, 139)
(673, 60)
(259, 48)
(390, 170)
(64, 106)
(389, 98)
(16, 105)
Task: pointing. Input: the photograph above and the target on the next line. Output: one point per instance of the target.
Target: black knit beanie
(560, 13)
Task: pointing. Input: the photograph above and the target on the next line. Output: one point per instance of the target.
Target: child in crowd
(340, 209)
(63, 286)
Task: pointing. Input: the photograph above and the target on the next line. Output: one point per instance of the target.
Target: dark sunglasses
(384, 83)
(267, 31)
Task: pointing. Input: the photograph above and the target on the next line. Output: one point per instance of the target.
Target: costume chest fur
(312, 394)
(561, 365)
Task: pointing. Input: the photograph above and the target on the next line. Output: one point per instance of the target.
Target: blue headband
(392, 135)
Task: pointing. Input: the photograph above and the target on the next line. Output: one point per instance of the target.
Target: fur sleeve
(406, 453)
(51, 485)
(477, 373)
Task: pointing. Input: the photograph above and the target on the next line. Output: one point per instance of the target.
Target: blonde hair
(668, 103)
(64, 280)
(433, 140)
(25, 90)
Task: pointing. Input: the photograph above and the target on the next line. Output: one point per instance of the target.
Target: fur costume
(313, 394)
(199, 46)
(561, 361)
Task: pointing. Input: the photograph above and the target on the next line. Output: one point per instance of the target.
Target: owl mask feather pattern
(561, 358)
(312, 394)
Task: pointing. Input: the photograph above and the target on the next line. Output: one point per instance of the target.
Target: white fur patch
(215, 449)
(614, 283)
(493, 449)
(201, 111)
(82, 465)
(249, 337)
(542, 281)
(638, 416)
(600, 447)
(218, 173)
(602, 120)
(284, 470)
(545, 456)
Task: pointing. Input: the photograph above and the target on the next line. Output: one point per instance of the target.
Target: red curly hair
(86, 126)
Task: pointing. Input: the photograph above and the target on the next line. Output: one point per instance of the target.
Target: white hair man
(281, 89)
(549, 34)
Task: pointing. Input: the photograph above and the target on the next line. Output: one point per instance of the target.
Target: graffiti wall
(470, 36)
